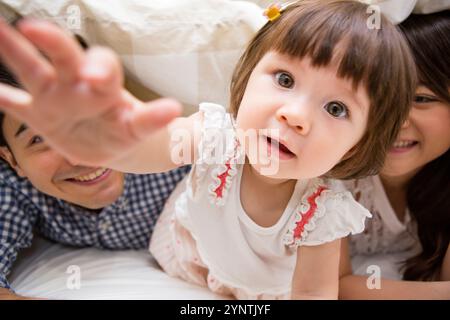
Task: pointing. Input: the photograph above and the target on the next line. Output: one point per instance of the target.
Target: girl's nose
(295, 117)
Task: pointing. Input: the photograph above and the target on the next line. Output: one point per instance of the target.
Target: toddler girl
(316, 75)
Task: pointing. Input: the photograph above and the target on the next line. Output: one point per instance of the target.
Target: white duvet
(49, 270)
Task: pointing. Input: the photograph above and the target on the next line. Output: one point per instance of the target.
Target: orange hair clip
(273, 12)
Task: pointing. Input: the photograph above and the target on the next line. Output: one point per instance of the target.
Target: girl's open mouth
(283, 152)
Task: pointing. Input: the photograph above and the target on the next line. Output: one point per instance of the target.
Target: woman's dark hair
(428, 194)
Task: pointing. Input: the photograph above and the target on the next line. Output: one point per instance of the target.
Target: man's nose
(73, 163)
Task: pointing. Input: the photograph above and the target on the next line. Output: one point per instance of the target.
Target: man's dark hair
(6, 77)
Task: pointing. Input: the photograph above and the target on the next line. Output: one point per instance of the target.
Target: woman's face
(424, 136)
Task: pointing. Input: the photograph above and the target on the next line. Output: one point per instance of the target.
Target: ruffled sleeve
(216, 134)
(325, 215)
(218, 152)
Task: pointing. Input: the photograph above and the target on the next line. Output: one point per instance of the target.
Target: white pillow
(430, 6)
(48, 270)
(186, 49)
(398, 10)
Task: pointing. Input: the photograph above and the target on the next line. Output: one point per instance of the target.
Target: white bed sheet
(41, 271)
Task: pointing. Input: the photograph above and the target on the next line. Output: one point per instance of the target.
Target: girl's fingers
(102, 70)
(64, 52)
(154, 115)
(15, 101)
(30, 67)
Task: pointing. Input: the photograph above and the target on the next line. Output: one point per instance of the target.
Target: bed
(51, 270)
(195, 44)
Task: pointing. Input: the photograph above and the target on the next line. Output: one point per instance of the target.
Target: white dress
(386, 241)
(205, 236)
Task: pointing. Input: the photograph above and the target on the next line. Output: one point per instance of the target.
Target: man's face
(50, 173)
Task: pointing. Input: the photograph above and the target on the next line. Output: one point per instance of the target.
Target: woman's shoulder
(364, 190)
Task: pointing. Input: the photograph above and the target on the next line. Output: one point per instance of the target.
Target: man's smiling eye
(284, 79)
(424, 99)
(34, 140)
(337, 109)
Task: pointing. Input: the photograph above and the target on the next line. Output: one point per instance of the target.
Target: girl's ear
(7, 155)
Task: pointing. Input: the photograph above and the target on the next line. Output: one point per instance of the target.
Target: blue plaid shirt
(125, 224)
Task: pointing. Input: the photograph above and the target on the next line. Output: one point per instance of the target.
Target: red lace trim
(223, 180)
(306, 217)
(223, 176)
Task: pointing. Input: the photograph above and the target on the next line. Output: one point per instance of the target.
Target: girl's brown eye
(337, 109)
(284, 79)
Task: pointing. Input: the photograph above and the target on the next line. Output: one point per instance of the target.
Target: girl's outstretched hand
(75, 98)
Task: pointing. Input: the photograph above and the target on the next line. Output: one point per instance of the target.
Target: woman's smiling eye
(424, 99)
(337, 109)
(284, 79)
(34, 140)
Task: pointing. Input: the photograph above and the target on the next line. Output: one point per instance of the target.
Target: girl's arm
(316, 274)
(170, 147)
(345, 265)
(355, 287)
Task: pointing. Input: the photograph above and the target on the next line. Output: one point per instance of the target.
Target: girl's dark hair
(428, 194)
